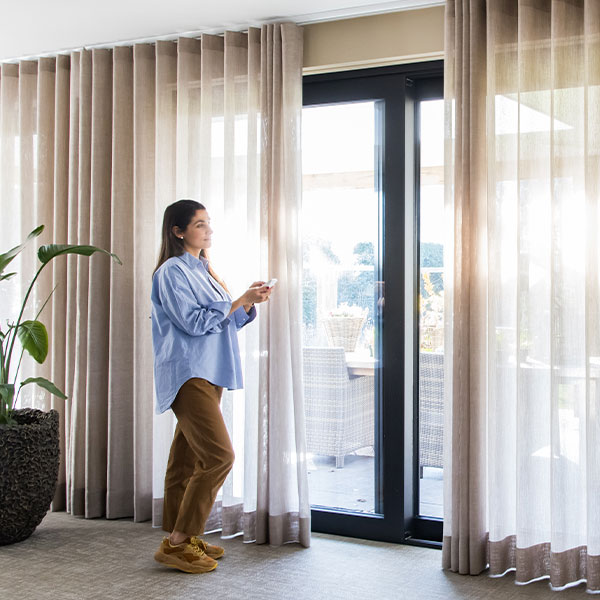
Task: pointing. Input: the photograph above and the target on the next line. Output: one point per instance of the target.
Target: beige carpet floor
(70, 558)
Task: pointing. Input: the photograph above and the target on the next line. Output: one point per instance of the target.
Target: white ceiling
(37, 27)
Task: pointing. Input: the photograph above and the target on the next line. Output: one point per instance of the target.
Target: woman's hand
(256, 293)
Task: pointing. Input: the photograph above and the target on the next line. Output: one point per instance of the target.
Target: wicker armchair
(339, 410)
(431, 410)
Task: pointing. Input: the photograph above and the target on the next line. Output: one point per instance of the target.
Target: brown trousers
(201, 457)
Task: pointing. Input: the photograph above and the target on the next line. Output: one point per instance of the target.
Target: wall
(378, 40)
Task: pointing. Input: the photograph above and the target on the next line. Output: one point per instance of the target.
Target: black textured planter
(29, 456)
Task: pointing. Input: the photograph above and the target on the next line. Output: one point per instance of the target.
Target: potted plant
(343, 326)
(29, 438)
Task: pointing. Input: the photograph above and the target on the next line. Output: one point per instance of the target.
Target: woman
(196, 355)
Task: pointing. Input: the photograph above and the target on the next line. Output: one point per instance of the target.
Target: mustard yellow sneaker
(209, 549)
(187, 557)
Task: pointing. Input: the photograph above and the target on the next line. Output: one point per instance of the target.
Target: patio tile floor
(352, 487)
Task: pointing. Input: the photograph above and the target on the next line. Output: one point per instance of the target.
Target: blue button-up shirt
(192, 334)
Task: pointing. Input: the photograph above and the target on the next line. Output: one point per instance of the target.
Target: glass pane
(341, 307)
(431, 308)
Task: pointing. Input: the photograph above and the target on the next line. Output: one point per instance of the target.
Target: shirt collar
(192, 261)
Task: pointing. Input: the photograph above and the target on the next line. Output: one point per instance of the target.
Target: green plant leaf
(7, 393)
(6, 258)
(34, 338)
(48, 252)
(7, 276)
(44, 383)
(6, 420)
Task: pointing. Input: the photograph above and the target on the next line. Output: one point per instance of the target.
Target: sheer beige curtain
(231, 107)
(95, 145)
(523, 426)
(283, 509)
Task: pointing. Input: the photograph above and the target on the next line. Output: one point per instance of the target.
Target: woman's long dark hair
(179, 214)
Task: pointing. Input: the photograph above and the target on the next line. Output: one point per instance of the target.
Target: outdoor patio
(352, 488)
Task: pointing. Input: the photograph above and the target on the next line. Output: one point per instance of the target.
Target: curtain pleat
(465, 548)
(245, 519)
(522, 454)
(95, 145)
(143, 231)
(26, 118)
(71, 280)
(591, 25)
(79, 422)
(283, 512)
(120, 488)
(165, 167)
(98, 292)
(120, 494)
(59, 268)
(44, 179)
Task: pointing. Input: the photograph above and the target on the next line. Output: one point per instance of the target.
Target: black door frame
(397, 473)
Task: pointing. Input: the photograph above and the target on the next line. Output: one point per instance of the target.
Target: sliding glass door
(341, 302)
(430, 343)
(360, 319)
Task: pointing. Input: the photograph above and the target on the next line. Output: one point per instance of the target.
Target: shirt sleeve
(180, 305)
(242, 317)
